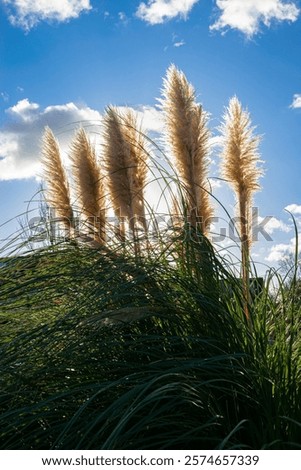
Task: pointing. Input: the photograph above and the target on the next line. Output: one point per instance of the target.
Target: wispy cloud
(20, 137)
(215, 183)
(296, 101)
(123, 18)
(159, 11)
(4, 96)
(27, 13)
(179, 43)
(247, 15)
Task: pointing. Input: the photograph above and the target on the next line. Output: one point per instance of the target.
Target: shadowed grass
(115, 352)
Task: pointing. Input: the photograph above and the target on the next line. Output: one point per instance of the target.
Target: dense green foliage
(101, 349)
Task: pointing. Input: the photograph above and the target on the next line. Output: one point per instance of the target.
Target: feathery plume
(239, 162)
(126, 165)
(57, 193)
(188, 137)
(89, 185)
(239, 167)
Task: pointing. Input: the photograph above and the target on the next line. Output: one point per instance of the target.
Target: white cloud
(179, 43)
(20, 137)
(123, 18)
(215, 183)
(280, 251)
(24, 110)
(4, 96)
(274, 224)
(295, 209)
(27, 13)
(247, 15)
(159, 11)
(296, 101)
(150, 117)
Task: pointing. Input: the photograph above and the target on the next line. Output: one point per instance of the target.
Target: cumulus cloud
(27, 13)
(151, 118)
(281, 251)
(20, 137)
(274, 224)
(296, 101)
(159, 11)
(247, 15)
(295, 209)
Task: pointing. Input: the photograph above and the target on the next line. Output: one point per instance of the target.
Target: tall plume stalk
(126, 165)
(239, 167)
(89, 186)
(57, 193)
(188, 137)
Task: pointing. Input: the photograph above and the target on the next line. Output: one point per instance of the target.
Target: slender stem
(245, 251)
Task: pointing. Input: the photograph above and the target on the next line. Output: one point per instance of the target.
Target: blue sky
(64, 61)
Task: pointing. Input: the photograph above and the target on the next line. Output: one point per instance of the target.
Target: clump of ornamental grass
(188, 136)
(126, 156)
(240, 160)
(89, 184)
(138, 353)
(57, 192)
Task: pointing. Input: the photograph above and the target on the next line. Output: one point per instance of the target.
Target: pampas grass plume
(126, 164)
(188, 137)
(57, 193)
(89, 185)
(240, 160)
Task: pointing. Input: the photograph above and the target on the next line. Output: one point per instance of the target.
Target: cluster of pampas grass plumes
(240, 160)
(89, 186)
(58, 192)
(187, 133)
(125, 158)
